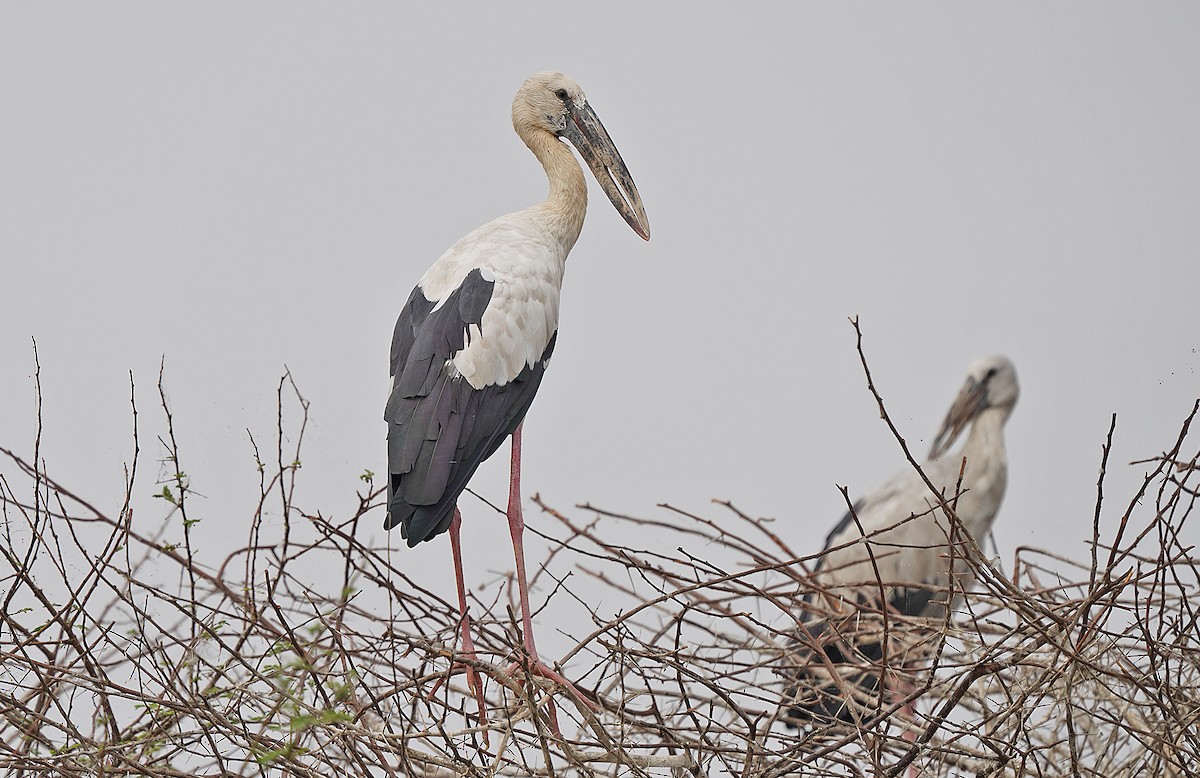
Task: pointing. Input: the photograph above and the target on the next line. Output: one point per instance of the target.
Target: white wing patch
(526, 265)
(516, 327)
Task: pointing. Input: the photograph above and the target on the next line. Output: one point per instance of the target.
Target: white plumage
(906, 543)
(526, 262)
(915, 551)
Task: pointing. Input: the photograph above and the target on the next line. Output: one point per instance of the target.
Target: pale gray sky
(243, 187)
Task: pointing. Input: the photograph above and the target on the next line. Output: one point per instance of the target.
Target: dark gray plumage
(440, 428)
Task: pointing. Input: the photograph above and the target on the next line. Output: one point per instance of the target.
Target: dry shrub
(306, 652)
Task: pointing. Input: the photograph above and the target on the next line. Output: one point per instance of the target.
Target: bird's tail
(417, 522)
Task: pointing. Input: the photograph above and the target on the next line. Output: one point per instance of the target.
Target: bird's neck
(986, 439)
(986, 476)
(566, 205)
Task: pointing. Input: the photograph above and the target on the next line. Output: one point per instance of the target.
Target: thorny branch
(307, 652)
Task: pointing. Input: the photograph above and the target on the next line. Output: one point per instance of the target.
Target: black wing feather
(843, 524)
(440, 428)
(412, 316)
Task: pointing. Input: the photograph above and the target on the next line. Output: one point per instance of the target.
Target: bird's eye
(991, 372)
(561, 94)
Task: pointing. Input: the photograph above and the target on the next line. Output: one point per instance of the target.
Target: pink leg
(516, 528)
(907, 714)
(468, 645)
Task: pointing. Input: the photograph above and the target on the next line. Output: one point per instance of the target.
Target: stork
(474, 339)
(907, 550)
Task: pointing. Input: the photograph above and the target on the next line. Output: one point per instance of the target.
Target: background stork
(912, 555)
(473, 341)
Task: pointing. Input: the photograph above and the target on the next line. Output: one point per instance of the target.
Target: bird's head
(991, 383)
(550, 102)
(544, 102)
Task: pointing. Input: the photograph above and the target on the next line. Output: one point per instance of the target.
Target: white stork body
(916, 550)
(910, 539)
(468, 355)
(472, 343)
(526, 262)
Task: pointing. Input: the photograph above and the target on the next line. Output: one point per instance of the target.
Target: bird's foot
(532, 666)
